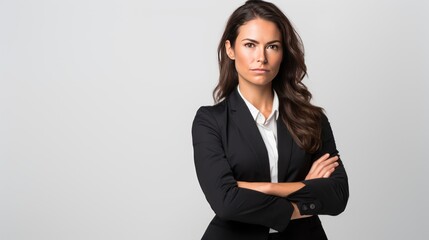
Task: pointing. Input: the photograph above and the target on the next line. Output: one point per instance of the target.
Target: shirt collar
(256, 114)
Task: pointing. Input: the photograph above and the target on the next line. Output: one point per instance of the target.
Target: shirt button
(312, 206)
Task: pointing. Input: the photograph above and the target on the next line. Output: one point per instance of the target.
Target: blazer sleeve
(327, 196)
(220, 188)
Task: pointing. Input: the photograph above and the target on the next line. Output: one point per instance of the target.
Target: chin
(258, 80)
(261, 82)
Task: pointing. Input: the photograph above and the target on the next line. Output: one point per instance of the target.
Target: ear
(229, 50)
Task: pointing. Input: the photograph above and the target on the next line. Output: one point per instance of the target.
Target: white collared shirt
(268, 129)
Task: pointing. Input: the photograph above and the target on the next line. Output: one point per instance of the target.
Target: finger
(325, 166)
(328, 173)
(322, 158)
(318, 161)
(327, 162)
(328, 170)
(332, 159)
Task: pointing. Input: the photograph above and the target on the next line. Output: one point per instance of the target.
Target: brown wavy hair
(302, 118)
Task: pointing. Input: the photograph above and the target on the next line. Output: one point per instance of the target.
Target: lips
(259, 70)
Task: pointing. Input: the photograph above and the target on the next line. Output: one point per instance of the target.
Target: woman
(265, 157)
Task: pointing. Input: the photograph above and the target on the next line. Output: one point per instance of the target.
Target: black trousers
(305, 228)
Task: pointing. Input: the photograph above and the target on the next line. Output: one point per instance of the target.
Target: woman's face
(257, 52)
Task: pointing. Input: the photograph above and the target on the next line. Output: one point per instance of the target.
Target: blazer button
(304, 207)
(312, 206)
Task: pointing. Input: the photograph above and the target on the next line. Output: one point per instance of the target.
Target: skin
(258, 53)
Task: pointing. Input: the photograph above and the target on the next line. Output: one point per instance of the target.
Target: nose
(261, 57)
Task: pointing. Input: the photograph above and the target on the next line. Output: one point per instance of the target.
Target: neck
(259, 96)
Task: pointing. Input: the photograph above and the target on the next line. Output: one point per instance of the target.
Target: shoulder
(216, 109)
(213, 112)
(208, 121)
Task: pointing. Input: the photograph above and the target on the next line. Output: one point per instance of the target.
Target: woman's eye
(274, 47)
(249, 45)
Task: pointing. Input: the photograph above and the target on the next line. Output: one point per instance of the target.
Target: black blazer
(228, 147)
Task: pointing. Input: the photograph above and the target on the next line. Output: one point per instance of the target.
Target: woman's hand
(323, 167)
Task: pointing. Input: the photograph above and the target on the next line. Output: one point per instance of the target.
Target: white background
(97, 100)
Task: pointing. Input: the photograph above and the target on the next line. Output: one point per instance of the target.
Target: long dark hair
(302, 118)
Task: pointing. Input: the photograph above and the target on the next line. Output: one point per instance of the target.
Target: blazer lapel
(249, 131)
(284, 145)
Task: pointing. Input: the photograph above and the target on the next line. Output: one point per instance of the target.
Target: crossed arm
(324, 190)
(321, 168)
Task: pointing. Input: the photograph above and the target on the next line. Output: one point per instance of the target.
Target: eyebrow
(254, 41)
